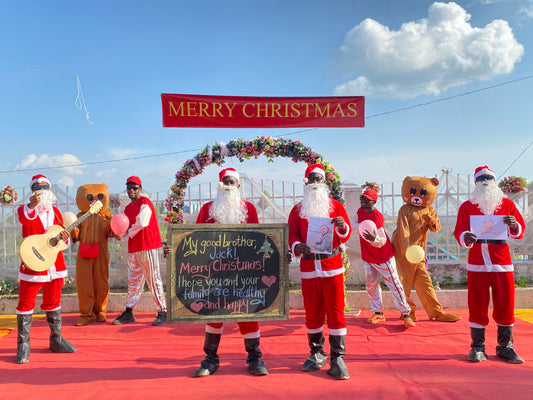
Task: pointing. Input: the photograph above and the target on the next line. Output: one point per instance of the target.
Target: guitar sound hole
(53, 242)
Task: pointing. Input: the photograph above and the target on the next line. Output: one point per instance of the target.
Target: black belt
(490, 241)
(320, 256)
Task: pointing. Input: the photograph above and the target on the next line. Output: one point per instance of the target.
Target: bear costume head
(89, 193)
(419, 191)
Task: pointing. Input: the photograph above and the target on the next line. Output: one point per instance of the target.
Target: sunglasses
(90, 197)
(41, 187)
(484, 178)
(132, 187)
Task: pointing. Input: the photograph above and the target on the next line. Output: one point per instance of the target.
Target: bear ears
(434, 181)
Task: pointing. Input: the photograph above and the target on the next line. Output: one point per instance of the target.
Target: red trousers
(244, 327)
(28, 292)
(324, 297)
(479, 286)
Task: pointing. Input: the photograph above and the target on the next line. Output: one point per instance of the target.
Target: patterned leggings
(387, 270)
(144, 265)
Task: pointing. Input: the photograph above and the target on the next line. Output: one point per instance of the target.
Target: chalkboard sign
(223, 273)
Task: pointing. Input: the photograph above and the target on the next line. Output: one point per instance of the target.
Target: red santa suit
(36, 222)
(249, 330)
(489, 265)
(321, 274)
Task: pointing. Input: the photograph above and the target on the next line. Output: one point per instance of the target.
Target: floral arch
(245, 150)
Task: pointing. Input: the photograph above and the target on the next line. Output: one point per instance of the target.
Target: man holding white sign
(483, 225)
(321, 273)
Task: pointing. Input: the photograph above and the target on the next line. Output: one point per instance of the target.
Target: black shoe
(315, 362)
(257, 367)
(477, 355)
(125, 318)
(207, 368)
(161, 319)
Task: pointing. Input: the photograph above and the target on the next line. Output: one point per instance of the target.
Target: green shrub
(6, 286)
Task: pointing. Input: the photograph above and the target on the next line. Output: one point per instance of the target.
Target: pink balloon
(119, 224)
(367, 226)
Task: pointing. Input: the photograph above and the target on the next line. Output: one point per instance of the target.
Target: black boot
(210, 364)
(505, 349)
(477, 353)
(125, 318)
(161, 319)
(338, 368)
(318, 356)
(58, 344)
(256, 366)
(23, 338)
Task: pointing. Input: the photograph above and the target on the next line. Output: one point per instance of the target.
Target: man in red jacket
(36, 218)
(321, 274)
(377, 253)
(229, 208)
(144, 241)
(489, 266)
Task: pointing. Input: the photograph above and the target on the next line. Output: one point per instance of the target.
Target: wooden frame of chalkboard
(219, 273)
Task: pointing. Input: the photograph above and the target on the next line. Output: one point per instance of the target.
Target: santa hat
(315, 169)
(39, 179)
(484, 170)
(134, 179)
(228, 172)
(370, 194)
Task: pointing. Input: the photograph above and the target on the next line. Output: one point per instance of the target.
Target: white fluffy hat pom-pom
(220, 184)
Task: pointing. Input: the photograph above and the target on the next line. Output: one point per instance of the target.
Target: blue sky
(469, 62)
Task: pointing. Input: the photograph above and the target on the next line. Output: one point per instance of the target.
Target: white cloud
(526, 10)
(66, 181)
(72, 164)
(120, 153)
(427, 56)
(106, 172)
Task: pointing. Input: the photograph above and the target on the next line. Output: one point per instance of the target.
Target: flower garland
(8, 195)
(114, 201)
(513, 184)
(371, 185)
(244, 150)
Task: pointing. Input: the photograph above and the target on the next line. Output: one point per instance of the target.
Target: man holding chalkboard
(321, 274)
(229, 208)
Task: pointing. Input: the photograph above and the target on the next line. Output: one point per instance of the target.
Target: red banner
(201, 111)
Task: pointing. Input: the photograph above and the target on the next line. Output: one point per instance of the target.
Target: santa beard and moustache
(488, 196)
(227, 208)
(47, 198)
(316, 201)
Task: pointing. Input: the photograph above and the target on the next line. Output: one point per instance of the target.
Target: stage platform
(140, 361)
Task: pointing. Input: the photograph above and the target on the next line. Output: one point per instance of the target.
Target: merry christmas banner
(204, 111)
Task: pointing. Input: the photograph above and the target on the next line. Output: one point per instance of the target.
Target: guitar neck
(72, 226)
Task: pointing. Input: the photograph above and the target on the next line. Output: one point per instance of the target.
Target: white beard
(487, 197)
(47, 199)
(316, 202)
(227, 208)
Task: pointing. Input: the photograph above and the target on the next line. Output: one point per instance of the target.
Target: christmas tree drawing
(266, 248)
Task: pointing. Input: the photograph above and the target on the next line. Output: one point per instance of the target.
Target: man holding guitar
(36, 218)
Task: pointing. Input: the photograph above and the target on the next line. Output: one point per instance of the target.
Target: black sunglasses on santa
(40, 187)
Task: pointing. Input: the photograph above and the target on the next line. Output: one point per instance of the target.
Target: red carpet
(138, 360)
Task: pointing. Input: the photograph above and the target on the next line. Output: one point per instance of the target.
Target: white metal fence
(274, 200)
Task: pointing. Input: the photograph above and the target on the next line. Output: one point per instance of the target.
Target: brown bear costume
(415, 218)
(92, 261)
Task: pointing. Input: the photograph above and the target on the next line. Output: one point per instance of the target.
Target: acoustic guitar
(39, 252)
